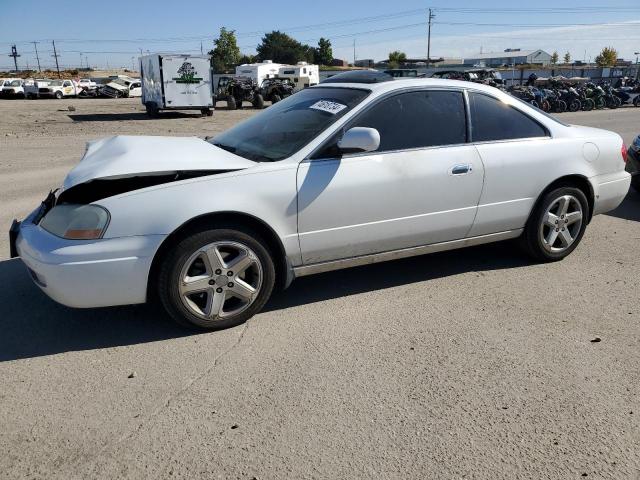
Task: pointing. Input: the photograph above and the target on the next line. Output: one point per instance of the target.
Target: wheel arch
(226, 219)
(574, 180)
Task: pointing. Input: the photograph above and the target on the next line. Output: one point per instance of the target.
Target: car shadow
(629, 209)
(117, 117)
(32, 325)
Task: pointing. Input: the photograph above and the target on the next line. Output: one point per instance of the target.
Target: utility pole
(354, 52)
(80, 60)
(431, 17)
(35, 46)
(55, 55)
(14, 54)
(201, 52)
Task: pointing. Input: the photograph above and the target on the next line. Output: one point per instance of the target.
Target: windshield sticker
(328, 106)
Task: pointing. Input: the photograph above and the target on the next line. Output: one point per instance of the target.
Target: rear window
(492, 119)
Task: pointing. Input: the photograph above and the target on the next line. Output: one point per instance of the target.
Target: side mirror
(359, 139)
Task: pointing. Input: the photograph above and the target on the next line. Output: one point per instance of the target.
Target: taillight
(623, 151)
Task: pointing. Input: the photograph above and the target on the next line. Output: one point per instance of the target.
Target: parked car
(87, 84)
(359, 169)
(633, 163)
(59, 89)
(32, 87)
(12, 88)
(122, 87)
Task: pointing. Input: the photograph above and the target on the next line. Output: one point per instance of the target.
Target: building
(365, 63)
(511, 56)
(337, 62)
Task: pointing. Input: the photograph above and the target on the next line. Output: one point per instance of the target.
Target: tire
(231, 103)
(258, 102)
(635, 183)
(538, 230)
(58, 95)
(611, 103)
(200, 309)
(575, 105)
(600, 103)
(561, 106)
(636, 101)
(206, 112)
(152, 110)
(588, 105)
(275, 98)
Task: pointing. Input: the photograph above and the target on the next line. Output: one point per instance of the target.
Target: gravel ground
(468, 364)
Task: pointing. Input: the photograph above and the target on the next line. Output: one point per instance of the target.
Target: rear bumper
(86, 274)
(609, 190)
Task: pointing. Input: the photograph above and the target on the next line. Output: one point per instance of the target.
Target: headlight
(76, 222)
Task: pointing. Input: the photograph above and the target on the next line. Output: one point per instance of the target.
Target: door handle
(461, 169)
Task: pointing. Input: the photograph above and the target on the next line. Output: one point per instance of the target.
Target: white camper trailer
(176, 82)
(302, 75)
(259, 71)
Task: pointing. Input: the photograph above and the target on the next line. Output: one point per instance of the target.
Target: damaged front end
(119, 165)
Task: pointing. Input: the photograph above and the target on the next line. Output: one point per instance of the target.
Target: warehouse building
(511, 56)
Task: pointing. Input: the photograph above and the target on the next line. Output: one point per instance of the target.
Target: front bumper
(88, 273)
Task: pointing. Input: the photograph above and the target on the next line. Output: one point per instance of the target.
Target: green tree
(247, 58)
(607, 57)
(554, 57)
(226, 54)
(567, 57)
(324, 53)
(396, 58)
(281, 48)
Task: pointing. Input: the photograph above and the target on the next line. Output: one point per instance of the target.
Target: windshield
(56, 83)
(284, 128)
(119, 81)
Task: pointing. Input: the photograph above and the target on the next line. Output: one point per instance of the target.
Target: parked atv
(236, 90)
(276, 89)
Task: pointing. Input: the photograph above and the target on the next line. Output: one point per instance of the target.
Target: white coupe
(359, 169)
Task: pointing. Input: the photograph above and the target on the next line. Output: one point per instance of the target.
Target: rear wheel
(258, 102)
(58, 95)
(216, 279)
(574, 106)
(556, 224)
(152, 110)
(275, 98)
(231, 103)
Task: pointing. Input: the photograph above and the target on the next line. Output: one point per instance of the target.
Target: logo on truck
(187, 74)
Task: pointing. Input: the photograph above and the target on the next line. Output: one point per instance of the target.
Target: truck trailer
(176, 82)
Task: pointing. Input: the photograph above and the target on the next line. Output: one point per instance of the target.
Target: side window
(492, 119)
(67, 84)
(417, 119)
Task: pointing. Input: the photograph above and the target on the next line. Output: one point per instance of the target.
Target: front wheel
(216, 279)
(556, 224)
(258, 102)
(58, 95)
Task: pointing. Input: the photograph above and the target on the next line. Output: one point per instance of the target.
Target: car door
(518, 155)
(420, 187)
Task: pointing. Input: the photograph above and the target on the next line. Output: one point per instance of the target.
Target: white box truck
(176, 82)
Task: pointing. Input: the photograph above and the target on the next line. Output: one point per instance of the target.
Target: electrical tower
(14, 54)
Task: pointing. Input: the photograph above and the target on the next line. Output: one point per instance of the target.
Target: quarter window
(492, 119)
(418, 119)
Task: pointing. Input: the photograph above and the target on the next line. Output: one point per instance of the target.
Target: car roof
(408, 82)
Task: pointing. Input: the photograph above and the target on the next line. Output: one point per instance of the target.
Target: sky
(112, 33)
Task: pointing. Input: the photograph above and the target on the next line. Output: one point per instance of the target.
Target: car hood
(127, 156)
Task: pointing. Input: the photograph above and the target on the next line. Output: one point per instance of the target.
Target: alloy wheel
(561, 224)
(220, 280)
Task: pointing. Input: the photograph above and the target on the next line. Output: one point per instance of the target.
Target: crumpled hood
(128, 156)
